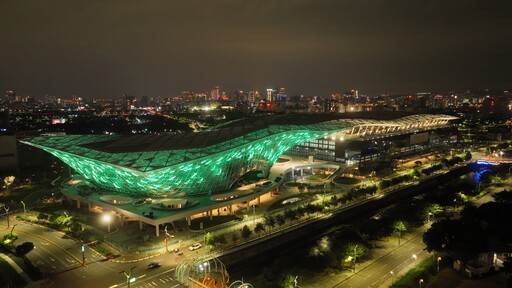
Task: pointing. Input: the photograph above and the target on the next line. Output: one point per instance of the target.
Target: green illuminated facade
(192, 163)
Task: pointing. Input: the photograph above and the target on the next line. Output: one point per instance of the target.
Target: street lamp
(107, 218)
(7, 214)
(414, 256)
(420, 282)
(24, 208)
(253, 213)
(393, 275)
(438, 260)
(17, 224)
(128, 276)
(355, 255)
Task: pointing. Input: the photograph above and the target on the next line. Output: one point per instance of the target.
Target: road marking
(162, 281)
(45, 243)
(53, 260)
(175, 286)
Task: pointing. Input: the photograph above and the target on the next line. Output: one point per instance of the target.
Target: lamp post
(128, 276)
(13, 228)
(438, 260)
(107, 218)
(393, 275)
(24, 208)
(355, 255)
(82, 249)
(253, 213)
(420, 282)
(7, 215)
(414, 256)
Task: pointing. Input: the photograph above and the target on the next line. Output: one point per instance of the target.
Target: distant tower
(216, 93)
(10, 95)
(269, 95)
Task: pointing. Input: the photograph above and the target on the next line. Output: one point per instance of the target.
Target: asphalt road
(60, 258)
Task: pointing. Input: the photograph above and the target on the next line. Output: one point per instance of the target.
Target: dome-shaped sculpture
(203, 272)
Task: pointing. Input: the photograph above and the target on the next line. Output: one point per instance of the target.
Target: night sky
(105, 49)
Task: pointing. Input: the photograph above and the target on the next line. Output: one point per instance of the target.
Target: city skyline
(314, 48)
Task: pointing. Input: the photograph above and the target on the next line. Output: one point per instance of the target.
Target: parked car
(194, 246)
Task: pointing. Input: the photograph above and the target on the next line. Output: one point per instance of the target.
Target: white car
(194, 246)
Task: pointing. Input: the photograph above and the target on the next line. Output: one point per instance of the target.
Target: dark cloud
(107, 48)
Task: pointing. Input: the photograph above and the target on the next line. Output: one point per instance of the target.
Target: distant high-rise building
(128, 102)
(215, 93)
(269, 95)
(10, 96)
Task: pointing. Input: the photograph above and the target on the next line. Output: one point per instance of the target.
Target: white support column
(258, 200)
(188, 220)
(157, 231)
(211, 214)
(140, 225)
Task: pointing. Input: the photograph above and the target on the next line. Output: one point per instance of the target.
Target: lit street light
(420, 283)
(414, 256)
(393, 275)
(107, 218)
(438, 260)
(128, 276)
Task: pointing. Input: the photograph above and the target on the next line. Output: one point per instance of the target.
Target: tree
(353, 251)
(9, 239)
(433, 210)
(220, 238)
(260, 227)
(280, 219)
(246, 232)
(24, 248)
(398, 228)
(503, 196)
(234, 237)
(290, 214)
(270, 221)
(209, 239)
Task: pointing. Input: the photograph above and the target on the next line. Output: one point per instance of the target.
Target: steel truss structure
(204, 163)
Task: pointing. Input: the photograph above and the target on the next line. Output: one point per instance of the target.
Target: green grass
(9, 277)
(346, 181)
